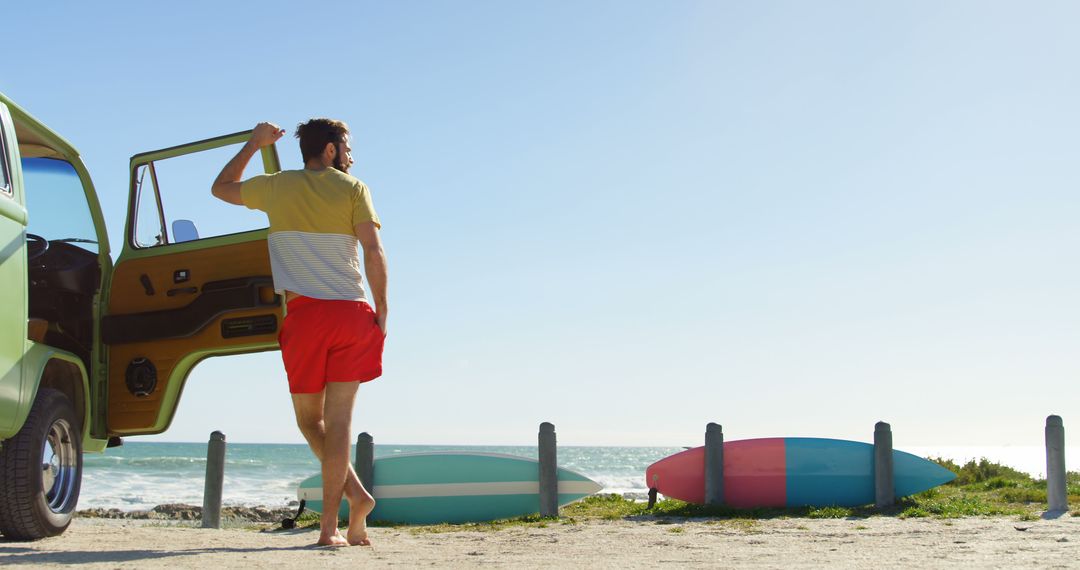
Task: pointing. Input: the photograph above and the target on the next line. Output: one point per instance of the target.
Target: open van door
(192, 281)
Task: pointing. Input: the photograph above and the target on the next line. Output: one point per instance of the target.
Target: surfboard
(792, 472)
(455, 487)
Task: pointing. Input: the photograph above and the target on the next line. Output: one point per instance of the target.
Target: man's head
(327, 141)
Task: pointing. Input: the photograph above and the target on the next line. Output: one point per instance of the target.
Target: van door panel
(171, 306)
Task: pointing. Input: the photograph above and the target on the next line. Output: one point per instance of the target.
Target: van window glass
(148, 229)
(56, 203)
(5, 177)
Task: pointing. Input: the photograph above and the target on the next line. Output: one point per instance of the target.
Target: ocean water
(141, 475)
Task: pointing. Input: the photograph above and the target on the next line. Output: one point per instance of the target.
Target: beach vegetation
(1023, 495)
(957, 505)
(980, 471)
(605, 507)
(1001, 486)
(829, 513)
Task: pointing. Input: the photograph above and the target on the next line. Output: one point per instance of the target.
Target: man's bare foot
(333, 540)
(358, 512)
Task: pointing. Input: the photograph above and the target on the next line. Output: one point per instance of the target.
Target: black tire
(47, 452)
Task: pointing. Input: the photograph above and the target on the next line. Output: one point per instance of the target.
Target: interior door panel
(135, 347)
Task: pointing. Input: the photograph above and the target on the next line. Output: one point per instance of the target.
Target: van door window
(174, 194)
(5, 176)
(149, 223)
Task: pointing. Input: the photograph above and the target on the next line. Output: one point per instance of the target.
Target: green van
(91, 350)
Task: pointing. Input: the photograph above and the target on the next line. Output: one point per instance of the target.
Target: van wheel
(41, 470)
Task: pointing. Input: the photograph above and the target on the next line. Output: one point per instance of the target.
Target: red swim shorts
(329, 341)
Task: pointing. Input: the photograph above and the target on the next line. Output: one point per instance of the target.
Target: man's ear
(330, 150)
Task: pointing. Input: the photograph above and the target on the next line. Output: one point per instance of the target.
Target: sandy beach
(875, 542)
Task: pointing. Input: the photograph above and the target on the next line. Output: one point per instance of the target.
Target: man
(332, 338)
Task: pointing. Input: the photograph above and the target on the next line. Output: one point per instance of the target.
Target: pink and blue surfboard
(792, 472)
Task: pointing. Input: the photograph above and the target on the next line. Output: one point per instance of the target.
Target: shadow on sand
(18, 555)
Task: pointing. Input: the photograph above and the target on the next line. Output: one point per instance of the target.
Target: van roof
(35, 139)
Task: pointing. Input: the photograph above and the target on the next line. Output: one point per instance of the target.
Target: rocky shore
(182, 512)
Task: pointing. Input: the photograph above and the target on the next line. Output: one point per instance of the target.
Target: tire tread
(18, 518)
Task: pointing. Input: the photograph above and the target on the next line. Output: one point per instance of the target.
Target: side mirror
(184, 230)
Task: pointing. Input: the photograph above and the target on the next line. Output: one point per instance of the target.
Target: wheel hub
(58, 464)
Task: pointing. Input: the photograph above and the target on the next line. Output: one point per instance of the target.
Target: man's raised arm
(227, 184)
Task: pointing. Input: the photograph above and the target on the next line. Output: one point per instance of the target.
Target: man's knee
(311, 426)
(333, 424)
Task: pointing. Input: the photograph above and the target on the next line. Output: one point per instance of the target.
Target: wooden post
(549, 474)
(714, 464)
(215, 479)
(1057, 497)
(884, 489)
(365, 461)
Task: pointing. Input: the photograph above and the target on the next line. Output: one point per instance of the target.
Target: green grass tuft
(1023, 495)
(829, 513)
(606, 507)
(997, 483)
(962, 505)
(1072, 484)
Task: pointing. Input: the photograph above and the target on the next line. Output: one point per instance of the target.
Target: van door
(13, 283)
(192, 281)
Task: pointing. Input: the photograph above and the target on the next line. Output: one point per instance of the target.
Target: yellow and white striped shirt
(313, 247)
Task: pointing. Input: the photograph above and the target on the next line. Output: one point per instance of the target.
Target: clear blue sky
(632, 218)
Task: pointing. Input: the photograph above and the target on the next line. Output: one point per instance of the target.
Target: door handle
(147, 285)
(182, 290)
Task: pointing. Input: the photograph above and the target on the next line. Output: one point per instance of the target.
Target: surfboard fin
(652, 498)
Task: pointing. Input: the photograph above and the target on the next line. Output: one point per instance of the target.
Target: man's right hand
(266, 134)
(227, 184)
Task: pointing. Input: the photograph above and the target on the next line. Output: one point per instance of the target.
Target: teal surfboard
(455, 487)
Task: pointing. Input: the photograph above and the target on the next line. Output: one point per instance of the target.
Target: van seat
(36, 329)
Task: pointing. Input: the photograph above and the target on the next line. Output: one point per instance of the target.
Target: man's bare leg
(325, 420)
(337, 410)
(309, 418)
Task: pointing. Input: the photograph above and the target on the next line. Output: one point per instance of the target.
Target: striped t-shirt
(313, 246)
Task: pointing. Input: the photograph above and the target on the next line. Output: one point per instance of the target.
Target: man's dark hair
(315, 133)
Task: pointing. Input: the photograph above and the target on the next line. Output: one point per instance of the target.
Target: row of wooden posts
(884, 489)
